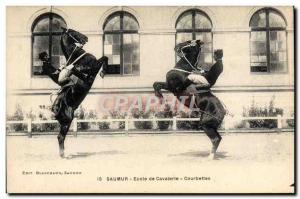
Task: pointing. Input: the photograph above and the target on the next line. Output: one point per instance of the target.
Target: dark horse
(210, 110)
(76, 84)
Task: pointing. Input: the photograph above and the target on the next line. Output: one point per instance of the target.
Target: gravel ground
(245, 163)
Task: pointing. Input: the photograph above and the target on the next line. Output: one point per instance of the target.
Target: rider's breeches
(198, 79)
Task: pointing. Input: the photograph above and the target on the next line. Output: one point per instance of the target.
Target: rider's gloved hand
(200, 71)
(43, 56)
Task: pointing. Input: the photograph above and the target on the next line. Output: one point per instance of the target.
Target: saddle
(67, 71)
(178, 83)
(196, 89)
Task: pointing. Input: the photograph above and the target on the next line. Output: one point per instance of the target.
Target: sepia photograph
(150, 99)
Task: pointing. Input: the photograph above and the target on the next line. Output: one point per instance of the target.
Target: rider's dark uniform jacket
(82, 71)
(213, 74)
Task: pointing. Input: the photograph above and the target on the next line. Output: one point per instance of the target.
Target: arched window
(195, 24)
(121, 43)
(268, 41)
(46, 31)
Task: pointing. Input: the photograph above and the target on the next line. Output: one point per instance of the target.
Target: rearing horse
(209, 107)
(76, 83)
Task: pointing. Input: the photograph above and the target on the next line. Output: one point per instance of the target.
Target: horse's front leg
(158, 86)
(103, 63)
(64, 128)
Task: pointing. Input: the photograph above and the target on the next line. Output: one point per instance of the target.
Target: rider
(200, 78)
(67, 75)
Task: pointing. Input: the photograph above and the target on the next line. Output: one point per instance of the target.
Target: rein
(181, 70)
(67, 63)
(77, 59)
(71, 55)
(193, 67)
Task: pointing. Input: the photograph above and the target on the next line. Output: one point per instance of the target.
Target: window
(268, 42)
(121, 44)
(46, 32)
(195, 24)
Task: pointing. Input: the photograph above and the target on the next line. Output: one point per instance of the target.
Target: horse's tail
(63, 111)
(55, 93)
(227, 112)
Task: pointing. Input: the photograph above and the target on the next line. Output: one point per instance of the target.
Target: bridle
(76, 46)
(67, 32)
(193, 67)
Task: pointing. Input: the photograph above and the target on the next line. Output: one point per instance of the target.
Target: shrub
(104, 125)
(184, 125)
(269, 111)
(142, 115)
(166, 113)
(91, 115)
(80, 114)
(51, 126)
(17, 115)
(31, 115)
(291, 122)
(188, 125)
(44, 113)
(119, 115)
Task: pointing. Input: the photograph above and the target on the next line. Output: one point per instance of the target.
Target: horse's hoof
(158, 94)
(61, 153)
(102, 74)
(211, 156)
(215, 143)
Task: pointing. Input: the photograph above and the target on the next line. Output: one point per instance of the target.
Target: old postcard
(150, 99)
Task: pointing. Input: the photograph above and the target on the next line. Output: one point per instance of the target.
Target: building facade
(258, 46)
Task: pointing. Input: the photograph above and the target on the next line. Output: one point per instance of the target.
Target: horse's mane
(67, 49)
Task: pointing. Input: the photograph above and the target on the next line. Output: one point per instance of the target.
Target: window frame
(195, 30)
(49, 34)
(267, 29)
(121, 32)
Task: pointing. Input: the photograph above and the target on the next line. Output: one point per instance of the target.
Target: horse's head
(193, 50)
(190, 53)
(72, 37)
(194, 46)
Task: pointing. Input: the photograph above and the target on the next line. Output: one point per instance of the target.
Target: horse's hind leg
(215, 139)
(64, 128)
(102, 63)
